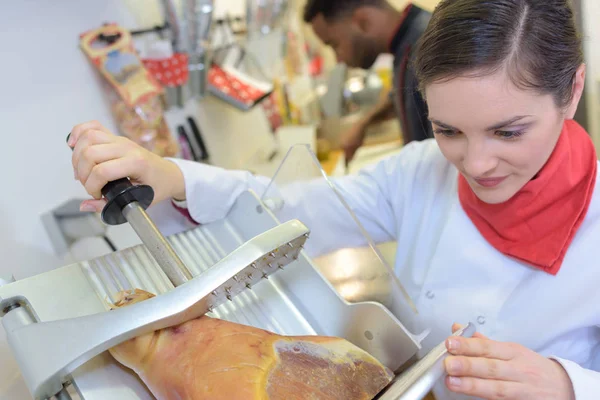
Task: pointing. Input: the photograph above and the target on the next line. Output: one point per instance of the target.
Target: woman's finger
(79, 129)
(92, 205)
(97, 154)
(86, 139)
(479, 367)
(478, 347)
(110, 171)
(456, 327)
(485, 388)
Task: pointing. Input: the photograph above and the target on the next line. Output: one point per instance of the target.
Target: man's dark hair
(332, 9)
(535, 40)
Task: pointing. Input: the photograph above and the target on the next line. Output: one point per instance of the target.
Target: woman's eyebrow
(443, 125)
(507, 122)
(491, 128)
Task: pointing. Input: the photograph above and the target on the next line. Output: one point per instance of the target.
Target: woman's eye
(509, 134)
(445, 132)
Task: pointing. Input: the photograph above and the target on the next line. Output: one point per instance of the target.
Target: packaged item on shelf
(236, 87)
(134, 94)
(272, 112)
(169, 68)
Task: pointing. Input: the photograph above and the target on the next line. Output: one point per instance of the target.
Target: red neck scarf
(538, 223)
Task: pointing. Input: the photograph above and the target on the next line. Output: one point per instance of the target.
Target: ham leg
(208, 358)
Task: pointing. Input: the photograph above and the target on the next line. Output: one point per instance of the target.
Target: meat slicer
(248, 267)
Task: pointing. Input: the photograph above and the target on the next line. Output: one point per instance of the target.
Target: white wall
(47, 86)
(149, 11)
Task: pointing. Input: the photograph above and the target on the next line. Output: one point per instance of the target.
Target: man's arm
(383, 110)
(352, 139)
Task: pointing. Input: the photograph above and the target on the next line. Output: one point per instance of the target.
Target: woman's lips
(490, 182)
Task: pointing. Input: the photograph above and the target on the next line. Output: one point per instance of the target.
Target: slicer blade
(47, 356)
(418, 380)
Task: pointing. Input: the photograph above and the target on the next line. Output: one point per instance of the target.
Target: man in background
(359, 31)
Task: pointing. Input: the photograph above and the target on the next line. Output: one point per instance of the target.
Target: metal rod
(156, 244)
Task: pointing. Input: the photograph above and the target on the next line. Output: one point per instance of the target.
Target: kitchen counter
(366, 155)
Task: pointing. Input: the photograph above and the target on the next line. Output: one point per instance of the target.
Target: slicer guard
(365, 274)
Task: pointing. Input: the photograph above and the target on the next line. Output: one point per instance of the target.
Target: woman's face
(497, 135)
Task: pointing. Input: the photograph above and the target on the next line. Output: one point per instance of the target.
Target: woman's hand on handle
(493, 370)
(100, 157)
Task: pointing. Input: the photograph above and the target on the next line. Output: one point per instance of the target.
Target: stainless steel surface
(346, 91)
(173, 96)
(362, 89)
(198, 74)
(190, 24)
(202, 13)
(198, 22)
(156, 244)
(263, 16)
(177, 31)
(174, 21)
(296, 301)
(19, 314)
(346, 98)
(4, 281)
(47, 356)
(63, 395)
(66, 224)
(418, 381)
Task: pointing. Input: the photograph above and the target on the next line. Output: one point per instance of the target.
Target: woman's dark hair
(535, 40)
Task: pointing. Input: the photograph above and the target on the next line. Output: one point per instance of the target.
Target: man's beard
(365, 52)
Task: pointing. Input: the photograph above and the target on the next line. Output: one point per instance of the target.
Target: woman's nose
(478, 160)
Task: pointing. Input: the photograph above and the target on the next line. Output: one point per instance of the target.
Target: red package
(236, 88)
(171, 71)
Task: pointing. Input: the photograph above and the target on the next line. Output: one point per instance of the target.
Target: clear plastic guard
(355, 267)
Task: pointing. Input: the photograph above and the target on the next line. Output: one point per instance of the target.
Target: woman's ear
(578, 86)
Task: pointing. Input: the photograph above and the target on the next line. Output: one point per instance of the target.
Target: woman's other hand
(493, 370)
(100, 157)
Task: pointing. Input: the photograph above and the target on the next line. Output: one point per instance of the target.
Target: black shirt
(408, 102)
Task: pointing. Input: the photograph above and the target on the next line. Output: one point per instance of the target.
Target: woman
(497, 217)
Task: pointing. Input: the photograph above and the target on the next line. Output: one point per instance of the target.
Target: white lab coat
(449, 270)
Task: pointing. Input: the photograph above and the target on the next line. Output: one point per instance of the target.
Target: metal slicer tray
(295, 301)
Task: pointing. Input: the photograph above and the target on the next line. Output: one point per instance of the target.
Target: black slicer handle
(120, 193)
